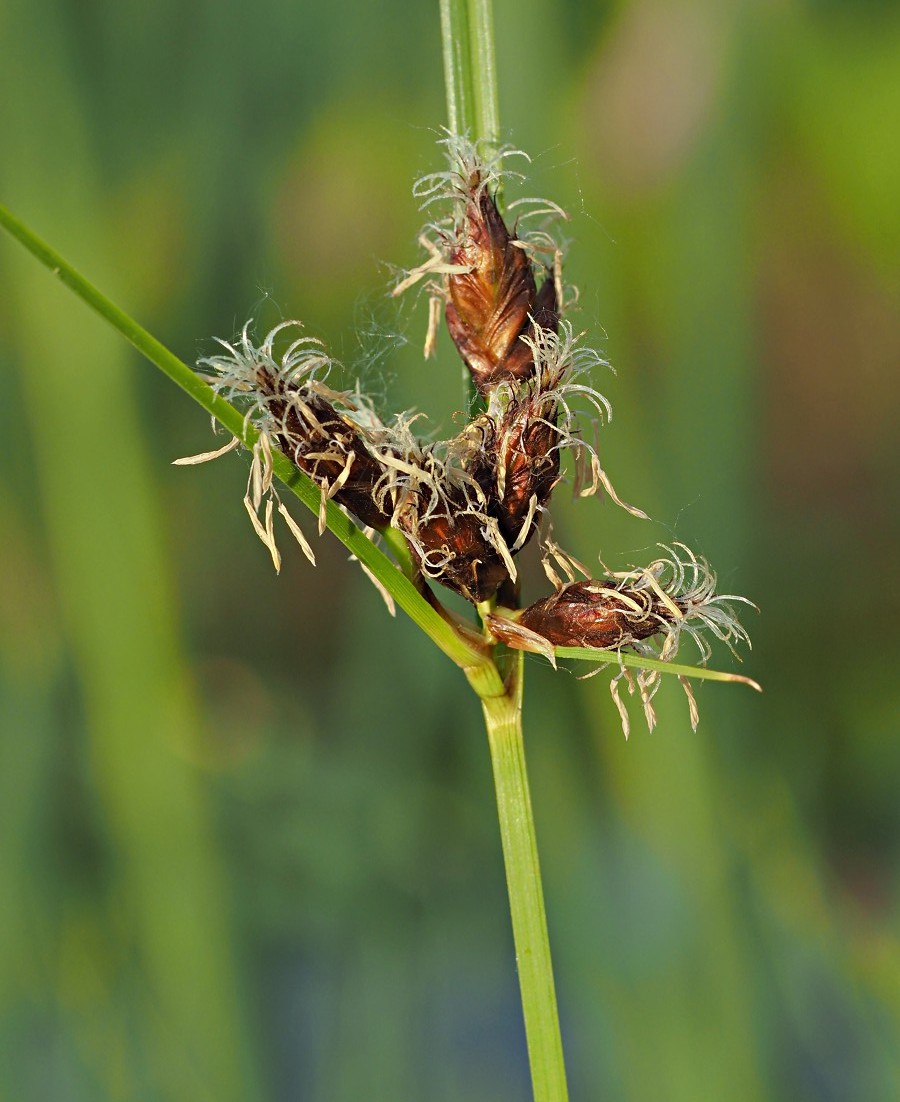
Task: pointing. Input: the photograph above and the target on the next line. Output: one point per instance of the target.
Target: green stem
(486, 114)
(503, 720)
(470, 71)
(457, 66)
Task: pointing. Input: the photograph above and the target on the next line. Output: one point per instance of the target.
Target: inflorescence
(467, 506)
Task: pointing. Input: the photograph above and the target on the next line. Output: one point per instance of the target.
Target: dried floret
(324, 432)
(489, 276)
(645, 609)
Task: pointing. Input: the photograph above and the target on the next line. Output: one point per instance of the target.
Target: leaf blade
(637, 661)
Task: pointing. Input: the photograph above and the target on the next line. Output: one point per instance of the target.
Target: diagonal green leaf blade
(400, 588)
(638, 662)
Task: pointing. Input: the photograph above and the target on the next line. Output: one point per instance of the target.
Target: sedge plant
(422, 515)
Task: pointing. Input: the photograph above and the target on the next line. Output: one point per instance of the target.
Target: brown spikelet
(590, 614)
(528, 462)
(324, 443)
(489, 306)
(452, 548)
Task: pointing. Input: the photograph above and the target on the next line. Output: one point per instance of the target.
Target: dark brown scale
(475, 569)
(301, 440)
(545, 315)
(488, 307)
(528, 440)
(588, 614)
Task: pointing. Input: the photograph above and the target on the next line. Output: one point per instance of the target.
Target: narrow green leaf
(636, 661)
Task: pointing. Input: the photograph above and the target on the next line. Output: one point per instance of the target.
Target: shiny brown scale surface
(519, 364)
(590, 614)
(474, 567)
(527, 440)
(488, 306)
(304, 440)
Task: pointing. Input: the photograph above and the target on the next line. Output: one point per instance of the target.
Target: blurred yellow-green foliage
(248, 847)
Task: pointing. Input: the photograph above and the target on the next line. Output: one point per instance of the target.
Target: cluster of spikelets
(467, 506)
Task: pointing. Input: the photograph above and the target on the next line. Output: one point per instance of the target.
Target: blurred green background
(248, 847)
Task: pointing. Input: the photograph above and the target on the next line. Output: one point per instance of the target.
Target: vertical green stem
(486, 113)
(457, 65)
(503, 719)
(470, 71)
